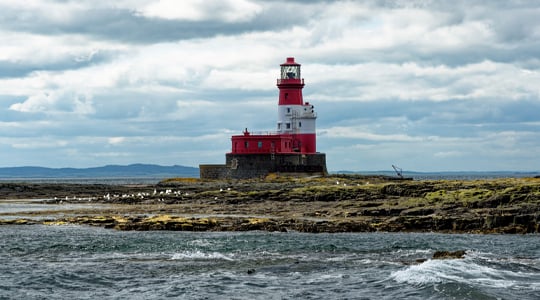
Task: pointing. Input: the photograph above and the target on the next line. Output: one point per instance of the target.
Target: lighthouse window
(259, 144)
(290, 72)
(246, 144)
(288, 110)
(288, 125)
(299, 124)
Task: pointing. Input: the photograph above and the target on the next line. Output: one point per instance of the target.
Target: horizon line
(330, 172)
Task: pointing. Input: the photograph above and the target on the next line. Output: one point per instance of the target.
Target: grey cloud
(126, 26)
(456, 118)
(11, 69)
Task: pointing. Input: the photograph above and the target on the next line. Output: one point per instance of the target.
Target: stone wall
(213, 171)
(240, 166)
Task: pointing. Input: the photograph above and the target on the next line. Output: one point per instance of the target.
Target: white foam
(412, 251)
(489, 257)
(200, 243)
(460, 271)
(431, 271)
(198, 255)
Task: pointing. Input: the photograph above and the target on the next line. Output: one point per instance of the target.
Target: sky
(425, 85)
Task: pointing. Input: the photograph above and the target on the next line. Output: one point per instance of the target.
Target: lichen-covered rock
(329, 204)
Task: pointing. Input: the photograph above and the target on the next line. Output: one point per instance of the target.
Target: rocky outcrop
(327, 204)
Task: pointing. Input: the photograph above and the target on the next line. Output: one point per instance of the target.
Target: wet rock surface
(329, 204)
(449, 254)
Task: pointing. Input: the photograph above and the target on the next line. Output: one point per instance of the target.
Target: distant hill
(157, 171)
(109, 171)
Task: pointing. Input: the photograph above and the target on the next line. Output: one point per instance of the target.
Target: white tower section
(296, 119)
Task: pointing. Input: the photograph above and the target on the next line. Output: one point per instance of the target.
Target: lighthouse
(290, 150)
(294, 116)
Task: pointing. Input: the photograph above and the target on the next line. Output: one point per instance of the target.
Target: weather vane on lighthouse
(291, 150)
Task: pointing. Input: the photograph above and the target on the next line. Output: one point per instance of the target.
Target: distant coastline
(152, 172)
(105, 172)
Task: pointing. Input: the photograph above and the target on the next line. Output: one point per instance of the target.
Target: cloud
(116, 140)
(446, 154)
(198, 10)
(55, 101)
(144, 21)
(40, 144)
(426, 85)
(364, 134)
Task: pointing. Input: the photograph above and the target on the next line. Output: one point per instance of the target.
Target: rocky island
(337, 203)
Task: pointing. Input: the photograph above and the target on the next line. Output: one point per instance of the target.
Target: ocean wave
(199, 255)
(521, 262)
(465, 271)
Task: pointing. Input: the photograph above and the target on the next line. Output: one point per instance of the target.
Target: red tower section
(290, 84)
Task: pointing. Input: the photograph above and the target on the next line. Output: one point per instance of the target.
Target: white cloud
(40, 144)
(56, 101)
(411, 81)
(113, 155)
(116, 140)
(200, 10)
(364, 134)
(35, 103)
(239, 79)
(446, 154)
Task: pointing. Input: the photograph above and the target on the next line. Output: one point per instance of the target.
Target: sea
(80, 262)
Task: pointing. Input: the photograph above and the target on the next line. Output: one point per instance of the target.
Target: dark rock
(448, 254)
(418, 211)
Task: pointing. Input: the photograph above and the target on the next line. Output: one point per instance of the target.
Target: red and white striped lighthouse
(294, 116)
(295, 122)
(290, 150)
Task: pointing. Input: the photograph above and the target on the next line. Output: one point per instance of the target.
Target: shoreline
(345, 203)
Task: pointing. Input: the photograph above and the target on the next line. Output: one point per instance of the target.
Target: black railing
(285, 81)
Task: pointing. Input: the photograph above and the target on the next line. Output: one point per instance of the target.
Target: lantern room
(290, 69)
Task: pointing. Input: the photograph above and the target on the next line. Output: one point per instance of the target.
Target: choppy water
(77, 262)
